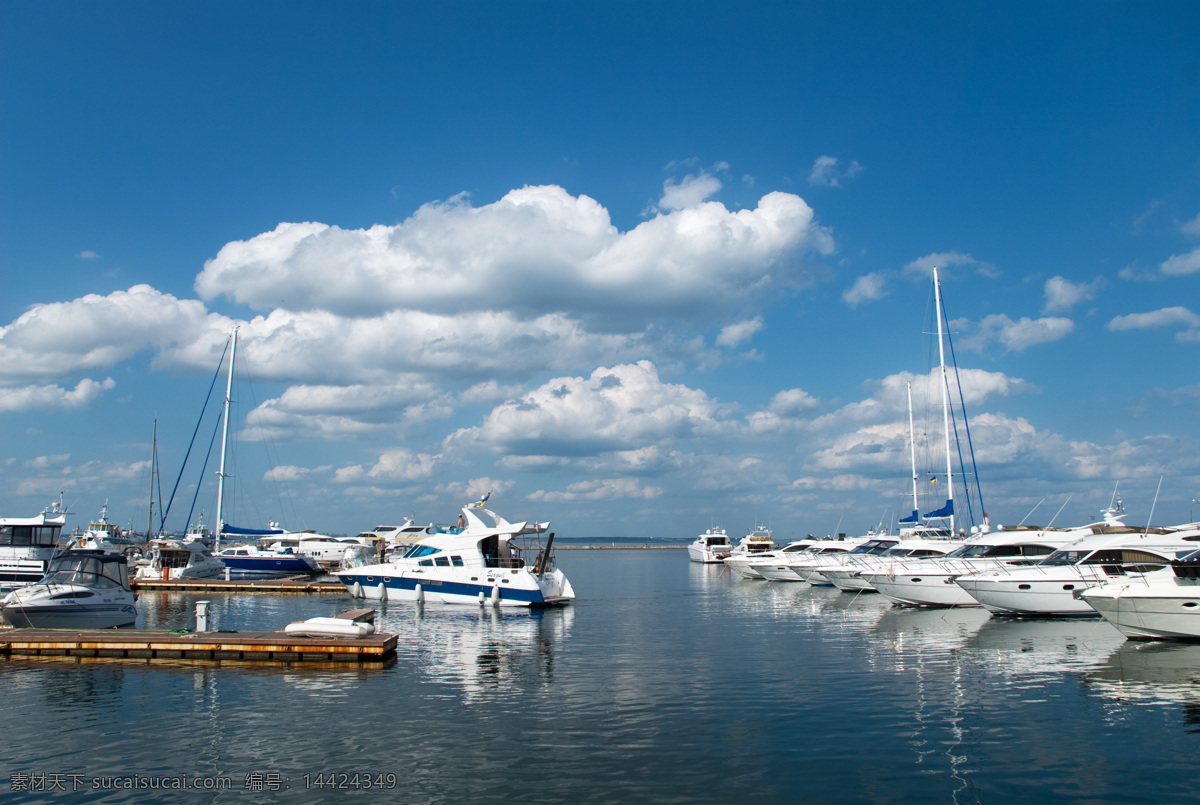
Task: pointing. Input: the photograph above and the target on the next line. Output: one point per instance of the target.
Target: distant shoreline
(615, 547)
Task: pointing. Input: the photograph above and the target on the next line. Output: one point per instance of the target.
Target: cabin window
(417, 551)
(426, 563)
(441, 561)
(456, 561)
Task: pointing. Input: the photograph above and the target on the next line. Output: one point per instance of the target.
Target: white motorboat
(101, 535)
(1048, 587)
(27, 544)
(849, 576)
(777, 565)
(180, 559)
(327, 551)
(1160, 605)
(711, 547)
(392, 537)
(930, 582)
(836, 553)
(750, 547)
(83, 589)
(476, 563)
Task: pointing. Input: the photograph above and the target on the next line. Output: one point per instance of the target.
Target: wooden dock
(160, 644)
(292, 584)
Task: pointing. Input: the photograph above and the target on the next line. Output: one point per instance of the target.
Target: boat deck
(162, 644)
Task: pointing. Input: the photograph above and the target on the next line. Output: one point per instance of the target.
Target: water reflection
(1038, 650)
(482, 651)
(1152, 672)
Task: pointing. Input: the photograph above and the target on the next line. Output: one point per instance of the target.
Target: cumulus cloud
(99, 331)
(1191, 227)
(608, 489)
(689, 191)
(733, 334)
(826, 172)
(1166, 317)
(867, 288)
(1062, 294)
(1014, 336)
(1181, 265)
(537, 249)
(88, 254)
(922, 267)
(617, 408)
(28, 398)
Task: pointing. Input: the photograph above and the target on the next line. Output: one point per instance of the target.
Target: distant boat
(711, 547)
(83, 589)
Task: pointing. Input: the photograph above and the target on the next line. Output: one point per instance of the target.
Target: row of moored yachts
(1145, 581)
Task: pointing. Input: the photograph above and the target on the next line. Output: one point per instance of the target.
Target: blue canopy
(250, 532)
(945, 511)
(912, 518)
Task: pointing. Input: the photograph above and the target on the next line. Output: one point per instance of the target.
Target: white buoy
(201, 616)
(420, 594)
(356, 590)
(382, 592)
(496, 596)
(482, 598)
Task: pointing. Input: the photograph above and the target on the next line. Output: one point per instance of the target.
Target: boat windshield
(968, 552)
(420, 550)
(1059, 558)
(88, 571)
(874, 546)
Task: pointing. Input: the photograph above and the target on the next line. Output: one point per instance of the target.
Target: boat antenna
(1031, 511)
(1152, 505)
(1060, 508)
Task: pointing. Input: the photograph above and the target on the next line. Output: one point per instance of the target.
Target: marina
(665, 680)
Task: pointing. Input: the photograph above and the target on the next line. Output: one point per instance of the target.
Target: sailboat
(251, 561)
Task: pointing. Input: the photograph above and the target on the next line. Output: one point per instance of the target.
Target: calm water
(666, 682)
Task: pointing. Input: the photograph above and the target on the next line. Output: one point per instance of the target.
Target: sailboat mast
(937, 296)
(912, 448)
(153, 468)
(224, 442)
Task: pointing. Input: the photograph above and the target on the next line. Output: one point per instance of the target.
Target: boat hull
(1023, 595)
(83, 616)
(1148, 614)
(920, 588)
(506, 588)
(259, 567)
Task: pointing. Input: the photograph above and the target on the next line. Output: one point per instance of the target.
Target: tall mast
(224, 442)
(153, 467)
(937, 295)
(912, 448)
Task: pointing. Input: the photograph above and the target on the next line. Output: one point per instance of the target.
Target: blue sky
(640, 268)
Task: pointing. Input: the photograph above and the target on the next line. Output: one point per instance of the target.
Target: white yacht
(327, 551)
(1162, 604)
(1048, 587)
(476, 563)
(83, 589)
(777, 565)
(711, 547)
(101, 535)
(930, 582)
(835, 553)
(750, 547)
(180, 559)
(849, 576)
(27, 544)
(395, 536)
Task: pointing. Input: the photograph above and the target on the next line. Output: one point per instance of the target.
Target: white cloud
(689, 192)
(826, 173)
(1180, 265)
(1191, 227)
(88, 254)
(1062, 294)
(867, 288)
(609, 489)
(733, 334)
(618, 408)
(538, 249)
(29, 398)
(1014, 336)
(922, 267)
(1165, 317)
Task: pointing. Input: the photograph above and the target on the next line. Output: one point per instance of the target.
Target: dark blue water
(667, 682)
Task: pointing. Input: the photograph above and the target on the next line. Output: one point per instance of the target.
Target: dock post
(201, 616)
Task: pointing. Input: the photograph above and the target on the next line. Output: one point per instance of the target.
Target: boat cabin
(97, 570)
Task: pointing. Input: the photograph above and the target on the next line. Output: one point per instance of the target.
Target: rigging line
(165, 510)
(967, 425)
(204, 469)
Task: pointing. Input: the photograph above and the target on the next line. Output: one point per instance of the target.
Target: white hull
(707, 555)
(70, 616)
(1029, 594)
(506, 588)
(848, 580)
(1157, 606)
(921, 587)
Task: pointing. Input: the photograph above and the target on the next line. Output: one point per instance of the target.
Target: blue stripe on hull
(404, 587)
